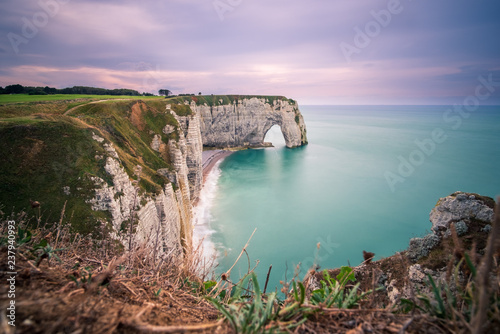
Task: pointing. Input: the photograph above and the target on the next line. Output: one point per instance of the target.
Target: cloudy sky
(316, 51)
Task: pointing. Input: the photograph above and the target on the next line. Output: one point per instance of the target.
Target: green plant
(45, 251)
(23, 236)
(248, 314)
(439, 306)
(250, 311)
(442, 302)
(83, 279)
(296, 311)
(194, 286)
(209, 286)
(335, 292)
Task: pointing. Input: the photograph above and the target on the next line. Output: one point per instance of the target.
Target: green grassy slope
(44, 152)
(23, 104)
(40, 157)
(23, 98)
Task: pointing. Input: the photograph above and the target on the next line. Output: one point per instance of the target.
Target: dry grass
(95, 289)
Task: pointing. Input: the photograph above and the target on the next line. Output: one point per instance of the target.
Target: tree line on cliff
(20, 89)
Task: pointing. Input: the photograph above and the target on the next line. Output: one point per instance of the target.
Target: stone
(168, 129)
(461, 228)
(156, 143)
(416, 274)
(170, 175)
(97, 138)
(111, 150)
(458, 207)
(420, 247)
(486, 228)
(393, 292)
(382, 279)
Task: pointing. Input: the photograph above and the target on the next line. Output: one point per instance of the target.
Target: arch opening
(274, 136)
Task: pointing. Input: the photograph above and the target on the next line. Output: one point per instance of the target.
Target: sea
(367, 180)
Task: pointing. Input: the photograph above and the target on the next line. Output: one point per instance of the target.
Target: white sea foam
(203, 217)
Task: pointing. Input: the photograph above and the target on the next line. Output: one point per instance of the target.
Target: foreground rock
(463, 211)
(436, 254)
(461, 207)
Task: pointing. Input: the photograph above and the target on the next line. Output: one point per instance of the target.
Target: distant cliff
(243, 120)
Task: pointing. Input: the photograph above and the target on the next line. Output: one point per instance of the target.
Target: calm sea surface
(367, 181)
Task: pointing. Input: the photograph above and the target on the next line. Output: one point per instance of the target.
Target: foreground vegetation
(69, 283)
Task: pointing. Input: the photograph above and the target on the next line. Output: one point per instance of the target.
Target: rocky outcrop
(246, 121)
(460, 207)
(420, 247)
(436, 255)
(191, 147)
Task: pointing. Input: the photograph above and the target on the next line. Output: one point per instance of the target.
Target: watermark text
(31, 25)
(11, 273)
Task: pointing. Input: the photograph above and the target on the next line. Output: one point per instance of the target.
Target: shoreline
(202, 205)
(210, 158)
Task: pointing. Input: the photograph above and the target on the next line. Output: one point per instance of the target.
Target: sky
(314, 51)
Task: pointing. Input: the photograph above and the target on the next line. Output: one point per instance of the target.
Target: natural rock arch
(246, 122)
(285, 132)
(271, 136)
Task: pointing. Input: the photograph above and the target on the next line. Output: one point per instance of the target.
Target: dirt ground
(48, 300)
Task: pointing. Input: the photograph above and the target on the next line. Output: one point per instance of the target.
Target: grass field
(199, 99)
(20, 98)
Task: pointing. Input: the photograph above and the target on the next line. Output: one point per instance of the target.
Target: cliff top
(213, 100)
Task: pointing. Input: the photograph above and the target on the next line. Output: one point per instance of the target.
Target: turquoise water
(347, 189)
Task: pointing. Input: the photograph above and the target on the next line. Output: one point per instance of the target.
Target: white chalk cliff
(163, 222)
(246, 121)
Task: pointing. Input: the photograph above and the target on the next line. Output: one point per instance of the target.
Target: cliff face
(245, 122)
(190, 147)
(161, 222)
